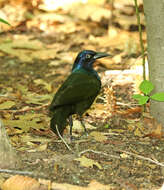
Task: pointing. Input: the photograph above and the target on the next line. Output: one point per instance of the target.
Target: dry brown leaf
(90, 11)
(96, 2)
(7, 105)
(98, 136)
(124, 155)
(94, 185)
(86, 162)
(156, 133)
(18, 182)
(46, 85)
(138, 133)
(25, 122)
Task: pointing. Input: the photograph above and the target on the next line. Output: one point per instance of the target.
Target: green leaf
(4, 21)
(143, 100)
(137, 96)
(158, 96)
(146, 87)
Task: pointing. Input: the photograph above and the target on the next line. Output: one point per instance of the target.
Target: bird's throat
(80, 69)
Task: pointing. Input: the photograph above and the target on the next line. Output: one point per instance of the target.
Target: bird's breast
(91, 72)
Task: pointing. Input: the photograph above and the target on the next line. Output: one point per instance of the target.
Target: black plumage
(77, 93)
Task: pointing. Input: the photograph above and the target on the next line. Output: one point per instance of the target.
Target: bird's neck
(80, 69)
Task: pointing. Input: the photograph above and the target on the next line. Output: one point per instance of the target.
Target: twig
(69, 148)
(111, 134)
(126, 104)
(133, 154)
(97, 152)
(16, 172)
(142, 157)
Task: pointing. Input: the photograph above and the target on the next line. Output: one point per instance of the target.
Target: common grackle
(77, 93)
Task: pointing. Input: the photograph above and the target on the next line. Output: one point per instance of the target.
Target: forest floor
(124, 148)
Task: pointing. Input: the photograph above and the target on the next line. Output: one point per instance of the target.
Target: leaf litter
(127, 149)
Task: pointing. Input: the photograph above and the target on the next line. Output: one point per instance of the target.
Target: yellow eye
(88, 56)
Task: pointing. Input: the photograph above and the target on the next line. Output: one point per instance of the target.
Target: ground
(124, 146)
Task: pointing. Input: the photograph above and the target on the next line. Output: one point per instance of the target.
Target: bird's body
(78, 92)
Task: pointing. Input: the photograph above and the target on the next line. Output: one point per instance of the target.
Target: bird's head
(86, 58)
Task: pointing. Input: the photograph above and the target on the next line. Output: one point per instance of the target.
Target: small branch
(69, 148)
(15, 172)
(97, 152)
(143, 158)
(126, 104)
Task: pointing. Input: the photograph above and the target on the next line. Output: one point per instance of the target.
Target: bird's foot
(86, 133)
(73, 138)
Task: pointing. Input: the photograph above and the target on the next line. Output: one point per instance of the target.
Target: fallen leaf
(86, 162)
(7, 105)
(42, 147)
(25, 122)
(124, 155)
(92, 185)
(18, 182)
(138, 133)
(36, 98)
(94, 12)
(100, 137)
(156, 133)
(28, 138)
(46, 85)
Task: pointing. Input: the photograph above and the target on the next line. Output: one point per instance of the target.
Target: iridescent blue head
(86, 58)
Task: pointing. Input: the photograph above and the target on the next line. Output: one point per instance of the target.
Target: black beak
(100, 55)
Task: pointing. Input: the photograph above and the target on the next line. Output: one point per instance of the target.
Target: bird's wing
(77, 87)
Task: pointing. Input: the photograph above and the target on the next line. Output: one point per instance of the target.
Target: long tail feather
(59, 118)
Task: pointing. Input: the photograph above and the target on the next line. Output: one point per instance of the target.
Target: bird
(77, 93)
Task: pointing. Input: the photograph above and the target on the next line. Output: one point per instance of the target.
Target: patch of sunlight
(56, 4)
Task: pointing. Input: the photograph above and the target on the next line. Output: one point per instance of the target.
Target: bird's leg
(82, 123)
(71, 125)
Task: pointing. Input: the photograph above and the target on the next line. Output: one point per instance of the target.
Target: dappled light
(110, 141)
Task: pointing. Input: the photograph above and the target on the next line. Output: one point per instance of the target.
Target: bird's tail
(59, 119)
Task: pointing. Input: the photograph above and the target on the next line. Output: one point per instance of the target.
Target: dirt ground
(124, 147)
(125, 160)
